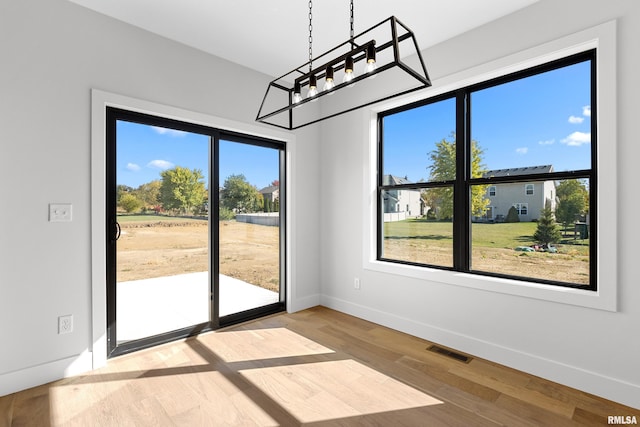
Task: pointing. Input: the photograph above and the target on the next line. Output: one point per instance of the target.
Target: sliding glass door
(249, 226)
(194, 230)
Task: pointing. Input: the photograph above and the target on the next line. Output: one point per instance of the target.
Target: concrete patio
(152, 306)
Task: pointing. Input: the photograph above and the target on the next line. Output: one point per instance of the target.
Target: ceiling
(271, 36)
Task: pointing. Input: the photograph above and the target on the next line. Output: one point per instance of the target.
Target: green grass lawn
(123, 218)
(499, 235)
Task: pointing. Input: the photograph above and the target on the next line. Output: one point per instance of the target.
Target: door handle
(114, 231)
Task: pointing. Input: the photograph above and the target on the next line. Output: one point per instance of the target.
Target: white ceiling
(271, 36)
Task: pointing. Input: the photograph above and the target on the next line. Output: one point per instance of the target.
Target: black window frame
(463, 182)
(216, 134)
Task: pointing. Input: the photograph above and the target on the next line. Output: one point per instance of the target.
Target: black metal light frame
(279, 109)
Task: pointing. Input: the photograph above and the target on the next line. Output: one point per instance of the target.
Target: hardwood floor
(317, 367)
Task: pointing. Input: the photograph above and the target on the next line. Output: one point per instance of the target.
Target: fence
(395, 216)
(271, 218)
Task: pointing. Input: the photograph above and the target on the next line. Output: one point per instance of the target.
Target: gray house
(401, 204)
(271, 193)
(527, 197)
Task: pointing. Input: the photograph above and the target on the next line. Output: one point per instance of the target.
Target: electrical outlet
(356, 283)
(60, 212)
(65, 324)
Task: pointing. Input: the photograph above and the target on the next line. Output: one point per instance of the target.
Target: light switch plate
(60, 212)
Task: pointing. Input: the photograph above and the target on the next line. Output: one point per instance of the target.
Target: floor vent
(449, 353)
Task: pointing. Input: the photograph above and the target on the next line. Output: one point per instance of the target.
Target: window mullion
(461, 228)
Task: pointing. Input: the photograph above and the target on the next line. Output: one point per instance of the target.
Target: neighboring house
(271, 193)
(528, 197)
(401, 204)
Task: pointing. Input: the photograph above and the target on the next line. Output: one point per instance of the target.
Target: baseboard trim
(299, 304)
(12, 382)
(591, 382)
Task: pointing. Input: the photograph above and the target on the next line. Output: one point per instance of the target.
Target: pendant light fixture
(385, 52)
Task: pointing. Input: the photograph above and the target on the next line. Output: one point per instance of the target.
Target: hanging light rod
(374, 71)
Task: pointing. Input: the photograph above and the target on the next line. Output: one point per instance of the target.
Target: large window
(458, 164)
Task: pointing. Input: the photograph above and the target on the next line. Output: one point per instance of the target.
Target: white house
(528, 198)
(401, 204)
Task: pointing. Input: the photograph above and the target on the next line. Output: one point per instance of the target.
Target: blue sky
(545, 119)
(144, 151)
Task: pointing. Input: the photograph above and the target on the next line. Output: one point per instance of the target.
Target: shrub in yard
(512, 215)
(226, 214)
(130, 203)
(548, 231)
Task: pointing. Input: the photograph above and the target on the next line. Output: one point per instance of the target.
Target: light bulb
(370, 66)
(313, 87)
(297, 97)
(328, 79)
(348, 70)
(348, 76)
(328, 84)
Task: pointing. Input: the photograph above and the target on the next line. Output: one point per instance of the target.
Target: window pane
(532, 243)
(420, 234)
(249, 228)
(162, 255)
(536, 124)
(418, 144)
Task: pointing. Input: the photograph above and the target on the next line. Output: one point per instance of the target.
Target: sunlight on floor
(337, 389)
(260, 344)
(262, 377)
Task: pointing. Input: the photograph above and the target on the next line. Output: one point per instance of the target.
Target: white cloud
(133, 167)
(577, 139)
(586, 111)
(576, 120)
(170, 132)
(522, 150)
(160, 164)
(547, 142)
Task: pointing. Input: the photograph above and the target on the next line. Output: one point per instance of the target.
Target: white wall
(591, 349)
(53, 53)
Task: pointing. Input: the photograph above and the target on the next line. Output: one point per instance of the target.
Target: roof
(269, 190)
(394, 180)
(527, 170)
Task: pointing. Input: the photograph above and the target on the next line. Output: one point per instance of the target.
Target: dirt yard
(560, 267)
(248, 252)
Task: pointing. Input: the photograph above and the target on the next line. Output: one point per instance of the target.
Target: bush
(130, 203)
(512, 215)
(547, 231)
(226, 214)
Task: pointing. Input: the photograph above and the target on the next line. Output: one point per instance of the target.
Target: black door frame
(112, 230)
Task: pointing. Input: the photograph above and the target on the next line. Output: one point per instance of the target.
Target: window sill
(552, 293)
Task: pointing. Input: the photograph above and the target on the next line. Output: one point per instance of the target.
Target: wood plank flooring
(317, 367)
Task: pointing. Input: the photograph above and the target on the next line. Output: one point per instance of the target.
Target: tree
(512, 215)
(573, 200)
(240, 196)
(149, 193)
(182, 189)
(129, 202)
(443, 168)
(547, 231)
(122, 189)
